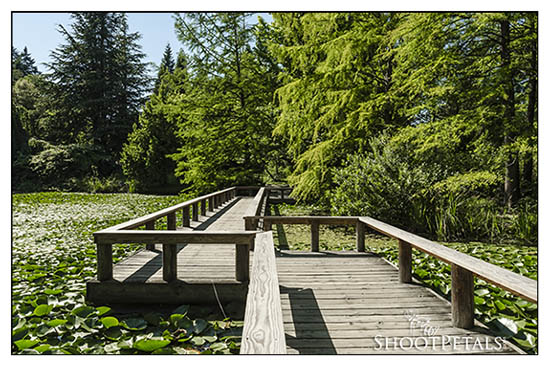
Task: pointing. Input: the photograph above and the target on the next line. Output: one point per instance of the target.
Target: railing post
(104, 261)
(268, 225)
(314, 236)
(405, 262)
(196, 212)
(150, 226)
(216, 201)
(462, 297)
(169, 262)
(203, 207)
(360, 236)
(242, 261)
(171, 221)
(211, 204)
(186, 222)
(249, 226)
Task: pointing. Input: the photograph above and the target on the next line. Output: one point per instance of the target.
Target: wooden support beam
(405, 262)
(171, 221)
(150, 226)
(104, 262)
(203, 207)
(186, 222)
(360, 236)
(242, 261)
(169, 262)
(462, 297)
(195, 212)
(314, 236)
(268, 225)
(216, 201)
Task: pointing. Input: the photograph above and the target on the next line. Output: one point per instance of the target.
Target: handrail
(314, 221)
(134, 223)
(254, 209)
(263, 330)
(506, 279)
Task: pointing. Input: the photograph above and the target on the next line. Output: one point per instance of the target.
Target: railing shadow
(147, 270)
(305, 313)
(211, 219)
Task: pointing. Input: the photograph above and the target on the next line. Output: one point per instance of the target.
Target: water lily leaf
(42, 310)
(102, 310)
(182, 310)
(111, 348)
(218, 346)
(199, 325)
(56, 322)
(482, 292)
(113, 333)
(510, 324)
(149, 345)
(134, 324)
(109, 321)
(198, 340)
(25, 343)
(83, 311)
(529, 342)
(164, 351)
(153, 318)
(52, 292)
(20, 333)
(42, 348)
(210, 339)
(180, 321)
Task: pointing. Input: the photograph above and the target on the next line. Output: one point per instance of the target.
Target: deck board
(332, 302)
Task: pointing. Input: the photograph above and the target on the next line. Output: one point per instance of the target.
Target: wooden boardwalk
(332, 302)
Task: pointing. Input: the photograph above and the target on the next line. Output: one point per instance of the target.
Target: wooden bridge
(218, 249)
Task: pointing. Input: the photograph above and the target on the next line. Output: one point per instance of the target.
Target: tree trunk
(531, 113)
(511, 180)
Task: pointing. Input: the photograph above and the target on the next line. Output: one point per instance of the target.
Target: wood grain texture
(104, 262)
(405, 262)
(462, 297)
(263, 331)
(506, 279)
(173, 237)
(150, 226)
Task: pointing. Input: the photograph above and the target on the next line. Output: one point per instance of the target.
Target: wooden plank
(462, 297)
(173, 237)
(203, 207)
(263, 331)
(506, 279)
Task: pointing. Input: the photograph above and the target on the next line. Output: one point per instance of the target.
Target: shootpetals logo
(430, 341)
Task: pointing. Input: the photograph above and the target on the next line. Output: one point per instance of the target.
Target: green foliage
(227, 115)
(338, 90)
(384, 185)
(99, 81)
(53, 255)
(145, 157)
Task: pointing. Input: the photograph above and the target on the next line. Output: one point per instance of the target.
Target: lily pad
(134, 324)
(109, 321)
(149, 345)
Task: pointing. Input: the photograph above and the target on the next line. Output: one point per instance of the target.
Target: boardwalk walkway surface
(332, 302)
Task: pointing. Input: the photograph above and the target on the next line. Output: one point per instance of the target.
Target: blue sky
(38, 31)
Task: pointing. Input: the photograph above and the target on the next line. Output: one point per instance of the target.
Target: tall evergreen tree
(166, 66)
(22, 64)
(99, 80)
(228, 114)
(338, 90)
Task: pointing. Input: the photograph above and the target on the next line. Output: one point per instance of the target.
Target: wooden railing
(263, 331)
(313, 222)
(169, 240)
(126, 233)
(463, 267)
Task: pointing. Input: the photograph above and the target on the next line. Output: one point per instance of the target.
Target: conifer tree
(99, 81)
